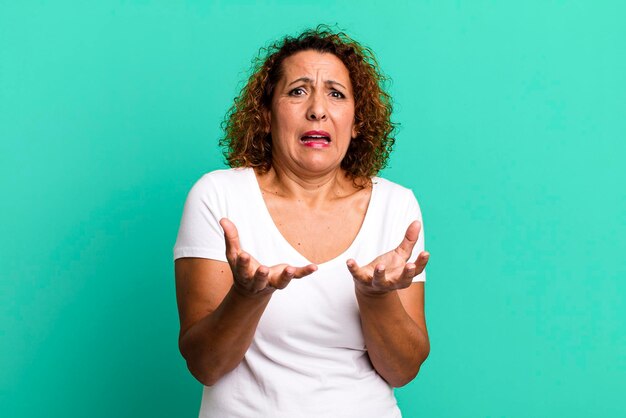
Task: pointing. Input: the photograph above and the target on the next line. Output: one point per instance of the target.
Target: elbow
(404, 379)
(205, 375)
(399, 381)
(204, 368)
(407, 375)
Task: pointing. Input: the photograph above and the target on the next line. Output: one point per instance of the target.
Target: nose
(317, 108)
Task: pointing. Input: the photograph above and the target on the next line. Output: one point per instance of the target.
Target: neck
(313, 190)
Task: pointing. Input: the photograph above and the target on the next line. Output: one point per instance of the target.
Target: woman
(295, 298)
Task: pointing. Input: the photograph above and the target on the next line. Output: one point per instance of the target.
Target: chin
(318, 166)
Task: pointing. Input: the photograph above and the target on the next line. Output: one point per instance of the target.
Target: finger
(410, 238)
(352, 266)
(379, 279)
(231, 238)
(420, 263)
(242, 265)
(408, 273)
(356, 271)
(260, 279)
(284, 278)
(300, 272)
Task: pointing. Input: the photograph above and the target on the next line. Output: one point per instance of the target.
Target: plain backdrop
(512, 135)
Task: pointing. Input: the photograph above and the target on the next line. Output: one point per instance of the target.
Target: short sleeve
(200, 234)
(414, 213)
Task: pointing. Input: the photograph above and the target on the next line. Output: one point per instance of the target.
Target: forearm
(216, 344)
(397, 347)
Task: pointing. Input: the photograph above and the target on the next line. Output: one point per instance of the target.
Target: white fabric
(308, 358)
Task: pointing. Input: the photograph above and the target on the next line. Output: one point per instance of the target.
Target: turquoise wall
(513, 138)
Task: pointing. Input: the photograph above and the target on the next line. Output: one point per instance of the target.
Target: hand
(390, 271)
(249, 276)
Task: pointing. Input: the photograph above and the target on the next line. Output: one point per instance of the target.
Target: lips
(315, 138)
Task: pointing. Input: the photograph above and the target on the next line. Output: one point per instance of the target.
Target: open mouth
(315, 138)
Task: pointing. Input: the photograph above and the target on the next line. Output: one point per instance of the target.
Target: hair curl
(247, 142)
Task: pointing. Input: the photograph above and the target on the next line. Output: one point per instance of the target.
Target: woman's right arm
(217, 322)
(220, 305)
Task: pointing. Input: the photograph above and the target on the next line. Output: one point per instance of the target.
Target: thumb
(231, 238)
(410, 238)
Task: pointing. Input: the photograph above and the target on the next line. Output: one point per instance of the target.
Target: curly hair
(247, 141)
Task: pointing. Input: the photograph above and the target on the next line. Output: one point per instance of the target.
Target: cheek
(283, 118)
(347, 122)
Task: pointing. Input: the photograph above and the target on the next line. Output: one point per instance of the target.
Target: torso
(334, 221)
(309, 338)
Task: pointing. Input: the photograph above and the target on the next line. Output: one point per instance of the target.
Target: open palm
(251, 277)
(390, 271)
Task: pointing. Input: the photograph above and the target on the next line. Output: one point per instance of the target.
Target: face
(312, 114)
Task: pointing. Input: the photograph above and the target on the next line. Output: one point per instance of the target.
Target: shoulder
(216, 188)
(390, 190)
(221, 181)
(396, 200)
(225, 177)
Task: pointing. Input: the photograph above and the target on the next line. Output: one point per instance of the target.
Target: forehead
(314, 64)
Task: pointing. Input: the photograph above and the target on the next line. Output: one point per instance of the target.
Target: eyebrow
(309, 81)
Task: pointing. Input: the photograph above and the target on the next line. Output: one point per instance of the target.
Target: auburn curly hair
(246, 140)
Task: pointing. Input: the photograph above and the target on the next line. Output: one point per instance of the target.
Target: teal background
(513, 129)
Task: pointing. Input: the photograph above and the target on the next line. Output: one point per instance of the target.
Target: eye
(337, 94)
(298, 91)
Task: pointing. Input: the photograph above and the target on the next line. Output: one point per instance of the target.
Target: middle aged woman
(305, 138)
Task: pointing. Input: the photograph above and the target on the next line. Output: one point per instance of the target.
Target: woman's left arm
(395, 332)
(392, 310)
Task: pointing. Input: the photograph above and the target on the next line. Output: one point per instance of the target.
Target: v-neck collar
(258, 197)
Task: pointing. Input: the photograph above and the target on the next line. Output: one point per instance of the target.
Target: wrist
(370, 293)
(244, 293)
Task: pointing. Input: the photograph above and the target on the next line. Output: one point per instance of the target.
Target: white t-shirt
(308, 357)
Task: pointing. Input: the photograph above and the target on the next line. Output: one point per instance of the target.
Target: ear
(354, 131)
